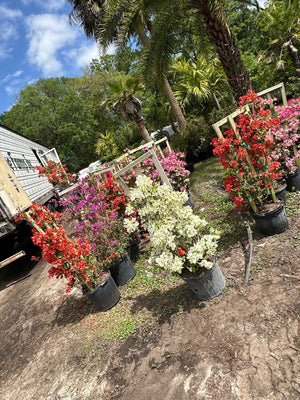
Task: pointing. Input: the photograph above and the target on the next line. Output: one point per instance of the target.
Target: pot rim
(271, 213)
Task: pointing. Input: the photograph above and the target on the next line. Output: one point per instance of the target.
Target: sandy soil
(242, 345)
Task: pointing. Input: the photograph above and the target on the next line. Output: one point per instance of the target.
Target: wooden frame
(134, 165)
(271, 89)
(230, 118)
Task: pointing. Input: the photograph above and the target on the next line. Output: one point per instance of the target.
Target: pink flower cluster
(174, 167)
(286, 136)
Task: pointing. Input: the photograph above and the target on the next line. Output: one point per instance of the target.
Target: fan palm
(123, 100)
(198, 80)
(282, 19)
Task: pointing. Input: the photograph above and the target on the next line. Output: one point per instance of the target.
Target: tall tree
(124, 100)
(198, 81)
(218, 31)
(116, 21)
(64, 113)
(282, 22)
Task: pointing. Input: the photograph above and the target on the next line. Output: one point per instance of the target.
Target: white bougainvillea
(177, 235)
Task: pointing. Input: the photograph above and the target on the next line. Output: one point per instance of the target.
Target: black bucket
(106, 295)
(122, 271)
(293, 181)
(207, 285)
(190, 201)
(272, 222)
(133, 249)
(281, 193)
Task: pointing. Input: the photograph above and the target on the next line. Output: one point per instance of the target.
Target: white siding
(16, 146)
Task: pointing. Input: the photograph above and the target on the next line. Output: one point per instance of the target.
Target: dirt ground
(242, 345)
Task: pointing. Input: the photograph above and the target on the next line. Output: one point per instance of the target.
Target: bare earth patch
(159, 342)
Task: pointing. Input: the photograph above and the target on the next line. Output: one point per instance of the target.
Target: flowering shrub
(56, 173)
(177, 235)
(286, 135)
(174, 167)
(95, 206)
(69, 257)
(246, 157)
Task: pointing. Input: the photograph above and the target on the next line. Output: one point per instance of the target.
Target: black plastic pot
(133, 249)
(189, 202)
(106, 295)
(122, 271)
(281, 193)
(207, 285)
(272, 222)
(293, 181)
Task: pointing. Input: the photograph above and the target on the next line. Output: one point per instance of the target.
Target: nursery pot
(189, 202)
(106, 295)
(122, 271)
(272, 222)
(281, 193)
(208, 284)
(133, 249)
(293, 181)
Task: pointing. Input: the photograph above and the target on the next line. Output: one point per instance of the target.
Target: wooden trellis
(230, 118)
(134, 165)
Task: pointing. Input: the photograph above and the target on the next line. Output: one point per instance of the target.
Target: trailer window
(35, 152)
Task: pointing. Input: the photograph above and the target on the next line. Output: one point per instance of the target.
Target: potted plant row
(70, 258)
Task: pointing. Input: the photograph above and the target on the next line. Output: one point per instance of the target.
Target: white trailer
(20, 184)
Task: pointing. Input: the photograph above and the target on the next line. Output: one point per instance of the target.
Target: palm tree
(88, 14)
(212, 14)
(125, 19)
(218, 31)
(282, 19)
(123, 100)
(198, 80)
(116, 21)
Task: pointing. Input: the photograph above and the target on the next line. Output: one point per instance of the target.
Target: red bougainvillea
(68, 257)
(246, 156)
(56, 173)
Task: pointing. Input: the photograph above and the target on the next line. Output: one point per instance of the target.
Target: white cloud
(48, 34)
(83, 55)
(11, 76)
(48, 5)
(8, 32)
(8, 13)
(8, 35)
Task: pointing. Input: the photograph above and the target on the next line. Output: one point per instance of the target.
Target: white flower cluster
(171, 227)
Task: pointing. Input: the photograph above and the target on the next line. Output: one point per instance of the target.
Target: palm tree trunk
(229, 54)
(141, 126)
(216, 101)
(293, 52)
(166, 86)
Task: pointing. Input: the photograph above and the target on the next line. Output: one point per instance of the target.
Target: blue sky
(37, 41)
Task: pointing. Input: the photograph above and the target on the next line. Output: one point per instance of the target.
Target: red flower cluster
(56, 173)
(114, 196)
(68, 257)
(246, 155)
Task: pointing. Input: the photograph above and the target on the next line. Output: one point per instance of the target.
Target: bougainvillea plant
(98, 209)
(286, 135)
(69, 258)
(179, 239)
(246, 156)
(174, 167)
(56, 173)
